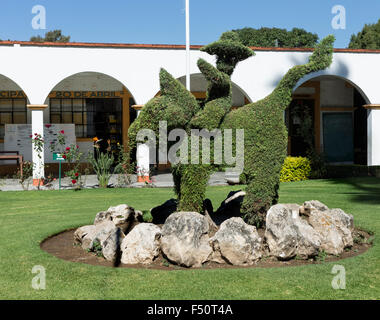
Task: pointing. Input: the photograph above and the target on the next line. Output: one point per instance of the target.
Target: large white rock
(335, 236)
(236, 242)
(110, 237)
(81, 233)
(185, 239)
(288, 235)
(122, 216)
(280, 232)
(141, 245)
(308, 206)
(106, 234)
(308, 239)
(341, 218)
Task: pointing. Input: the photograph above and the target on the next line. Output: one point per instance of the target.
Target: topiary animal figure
(266, 138)
(265, 132)
(181, 110)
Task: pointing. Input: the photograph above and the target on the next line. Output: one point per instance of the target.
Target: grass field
(26, 218)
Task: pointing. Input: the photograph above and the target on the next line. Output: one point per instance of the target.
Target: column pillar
(142, 159)
(37, 112)
(142, 156)
(126, 118)
(373, 134)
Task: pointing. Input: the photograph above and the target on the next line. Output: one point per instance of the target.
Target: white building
(94, 86)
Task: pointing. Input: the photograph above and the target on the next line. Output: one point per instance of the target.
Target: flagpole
(187, 45)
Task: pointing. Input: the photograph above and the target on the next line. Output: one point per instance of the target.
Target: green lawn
(27, 218)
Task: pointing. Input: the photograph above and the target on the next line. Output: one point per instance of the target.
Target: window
(70, 111)
(92, 117)
(12, 111)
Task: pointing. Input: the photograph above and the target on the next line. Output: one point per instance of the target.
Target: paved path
(163, 180)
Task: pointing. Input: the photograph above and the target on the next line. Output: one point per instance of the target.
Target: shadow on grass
(365, 189)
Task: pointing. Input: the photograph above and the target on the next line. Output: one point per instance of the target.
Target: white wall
(373, 137)
(38, 69)
(89, 81)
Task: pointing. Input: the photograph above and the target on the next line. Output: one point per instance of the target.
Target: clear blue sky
(163, 21)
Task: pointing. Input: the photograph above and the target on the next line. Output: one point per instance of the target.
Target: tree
(368, 38)
(271, 37)
(51, 36)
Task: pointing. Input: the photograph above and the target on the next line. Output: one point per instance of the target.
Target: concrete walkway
(164, 180)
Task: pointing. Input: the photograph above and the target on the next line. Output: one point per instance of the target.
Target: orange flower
(95, 139)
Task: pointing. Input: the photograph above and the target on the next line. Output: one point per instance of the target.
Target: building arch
(339, 120)
(13, 104)
(13, 110)
(98, 104)
(322, 74)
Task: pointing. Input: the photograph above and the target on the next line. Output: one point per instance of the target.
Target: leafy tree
(271, 37)
(368, 38)
(51, 36)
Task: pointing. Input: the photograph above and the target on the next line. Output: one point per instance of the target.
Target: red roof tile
(161, 46)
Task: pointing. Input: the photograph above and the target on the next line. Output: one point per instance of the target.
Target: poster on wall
(17, 138)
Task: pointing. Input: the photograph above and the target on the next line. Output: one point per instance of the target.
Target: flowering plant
(72, 156)
(38, 144)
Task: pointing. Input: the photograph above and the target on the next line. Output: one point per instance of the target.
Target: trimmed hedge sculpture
(266, 138)
(265, 135)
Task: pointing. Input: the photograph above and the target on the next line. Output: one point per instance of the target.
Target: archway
(97, 104)
(332, 108)
(13, 112)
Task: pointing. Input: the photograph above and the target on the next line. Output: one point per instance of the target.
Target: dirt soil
(63, 247)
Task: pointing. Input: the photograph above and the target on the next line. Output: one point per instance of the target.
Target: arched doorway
(327, 114)
(13, 112)
(97, 104)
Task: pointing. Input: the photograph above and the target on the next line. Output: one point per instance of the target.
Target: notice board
(17, 138)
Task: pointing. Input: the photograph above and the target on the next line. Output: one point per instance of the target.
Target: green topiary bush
(180, 109)
(295, 169)
(266, 137)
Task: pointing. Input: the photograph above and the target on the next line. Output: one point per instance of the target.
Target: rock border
(190, 239)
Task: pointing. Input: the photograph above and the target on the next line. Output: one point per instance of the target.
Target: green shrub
(295, 169)
(102, 165)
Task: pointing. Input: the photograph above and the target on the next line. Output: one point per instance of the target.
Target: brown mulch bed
(63, 247)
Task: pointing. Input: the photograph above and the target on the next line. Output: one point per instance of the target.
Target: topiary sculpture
(266, 138)
(265, 135)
